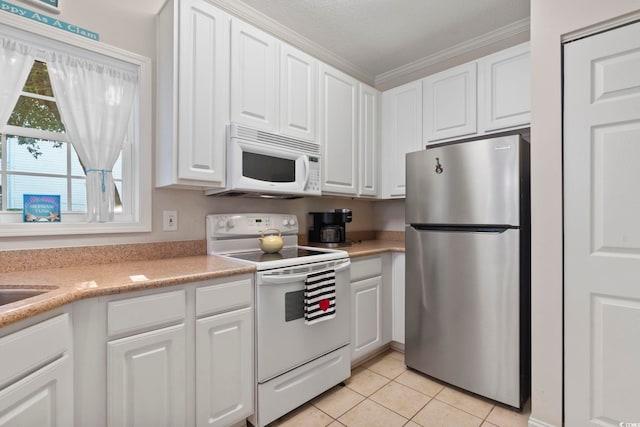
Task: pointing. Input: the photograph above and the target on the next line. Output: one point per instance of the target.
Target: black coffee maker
(329, 227)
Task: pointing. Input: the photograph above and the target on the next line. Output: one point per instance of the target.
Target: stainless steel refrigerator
(468, 266)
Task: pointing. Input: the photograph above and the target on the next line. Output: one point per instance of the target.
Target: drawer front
(366, 267)
(224, 296)
(131, 315)
(29, 349)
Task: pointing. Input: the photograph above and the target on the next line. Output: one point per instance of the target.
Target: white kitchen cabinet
(370, 305)
(254, 77)
(504, 89)
(147, 381)
(36, 375)
(450, 103)
(298, 93)
(146, 368)
(366, 311)
(401, 134)
(224, 354)
(369, 142)
(193, 94)
(338, 131)
(398, 295)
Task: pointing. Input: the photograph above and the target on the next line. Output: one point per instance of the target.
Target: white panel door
(254, 77)
(450, 103)
(298, 93)
(147, 379)
(602, 229)
(224, 368)
(366, 316)
(401, 134)
(369, 141)
(203, 85)
(505, 88)
(44, 398)
(338, 131)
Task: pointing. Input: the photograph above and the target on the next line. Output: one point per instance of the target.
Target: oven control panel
(222, 226)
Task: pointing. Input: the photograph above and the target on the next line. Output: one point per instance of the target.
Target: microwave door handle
(307, 171)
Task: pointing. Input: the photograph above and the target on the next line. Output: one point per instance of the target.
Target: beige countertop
(68, 284)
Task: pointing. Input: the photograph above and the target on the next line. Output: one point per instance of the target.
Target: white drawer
(224, 296)
(364, 268)
(31, 348)
(130, 315)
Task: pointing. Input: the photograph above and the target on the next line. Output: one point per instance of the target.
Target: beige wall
(550, 20)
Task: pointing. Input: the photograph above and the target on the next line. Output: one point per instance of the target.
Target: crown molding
(508, 31)
(265, 23)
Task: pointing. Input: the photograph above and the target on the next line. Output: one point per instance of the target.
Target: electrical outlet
(169, 220)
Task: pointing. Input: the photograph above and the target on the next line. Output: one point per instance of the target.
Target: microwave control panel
(313, 185)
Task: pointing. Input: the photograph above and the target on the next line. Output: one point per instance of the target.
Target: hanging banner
(47, 20)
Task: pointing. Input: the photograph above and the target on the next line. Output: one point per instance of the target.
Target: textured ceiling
(380, 35)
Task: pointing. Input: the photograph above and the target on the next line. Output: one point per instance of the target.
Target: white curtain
(95, 103)
(16, 60)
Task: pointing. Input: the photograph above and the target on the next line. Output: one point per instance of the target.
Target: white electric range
(295, 361)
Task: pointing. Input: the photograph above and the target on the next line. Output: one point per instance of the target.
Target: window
(36, 156)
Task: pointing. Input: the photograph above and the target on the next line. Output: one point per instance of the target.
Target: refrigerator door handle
(495, 229)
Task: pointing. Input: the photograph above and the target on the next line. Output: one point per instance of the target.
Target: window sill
(11, 226)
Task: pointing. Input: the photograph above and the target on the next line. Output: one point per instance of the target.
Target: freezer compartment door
(462, 320)
(475, 182)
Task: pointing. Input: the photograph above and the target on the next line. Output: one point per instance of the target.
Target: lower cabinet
(371, 317)
(224, 368)
(183, 356)
(36, 375)
(146, 379)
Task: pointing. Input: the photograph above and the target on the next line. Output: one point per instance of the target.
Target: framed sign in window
(50, 5)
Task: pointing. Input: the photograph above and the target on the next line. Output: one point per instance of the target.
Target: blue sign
(47, 20)
(41, 208)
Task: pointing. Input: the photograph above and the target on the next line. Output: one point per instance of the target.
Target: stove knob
(221, 223)
(230, 223)
(292, 221)
(285, 222)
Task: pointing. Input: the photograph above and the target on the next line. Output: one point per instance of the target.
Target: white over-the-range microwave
(267, 164)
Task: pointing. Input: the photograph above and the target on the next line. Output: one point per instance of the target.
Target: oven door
(284, 340)
(260, 167)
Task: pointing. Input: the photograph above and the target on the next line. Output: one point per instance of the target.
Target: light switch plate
(169, 220)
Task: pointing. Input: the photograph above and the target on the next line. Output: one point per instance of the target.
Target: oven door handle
(289, 278)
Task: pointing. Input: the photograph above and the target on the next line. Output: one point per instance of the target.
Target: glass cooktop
(285, 253)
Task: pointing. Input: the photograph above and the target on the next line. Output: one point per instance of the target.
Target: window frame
(138, 219)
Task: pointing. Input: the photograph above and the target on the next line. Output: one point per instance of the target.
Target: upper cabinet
(273, 85)
(254, 77)
(369, 141)
(193, 94)
(504, 88)
(338, 131)
(298, 93)
(401, 134)
(450, 103)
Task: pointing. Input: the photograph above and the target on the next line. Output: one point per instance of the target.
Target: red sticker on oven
(324, 304)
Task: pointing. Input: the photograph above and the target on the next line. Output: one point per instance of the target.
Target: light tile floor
(383, 392)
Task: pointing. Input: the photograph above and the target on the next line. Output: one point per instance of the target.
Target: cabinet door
(505, 88)
(366, 321)
(298, 93)
(203, 91)
(224, 367)
(338, 131)
(450, 103)
(146, 379)
(401, 134)
(369, 137)
(398, 271)
(44, 398)
(254, 77)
